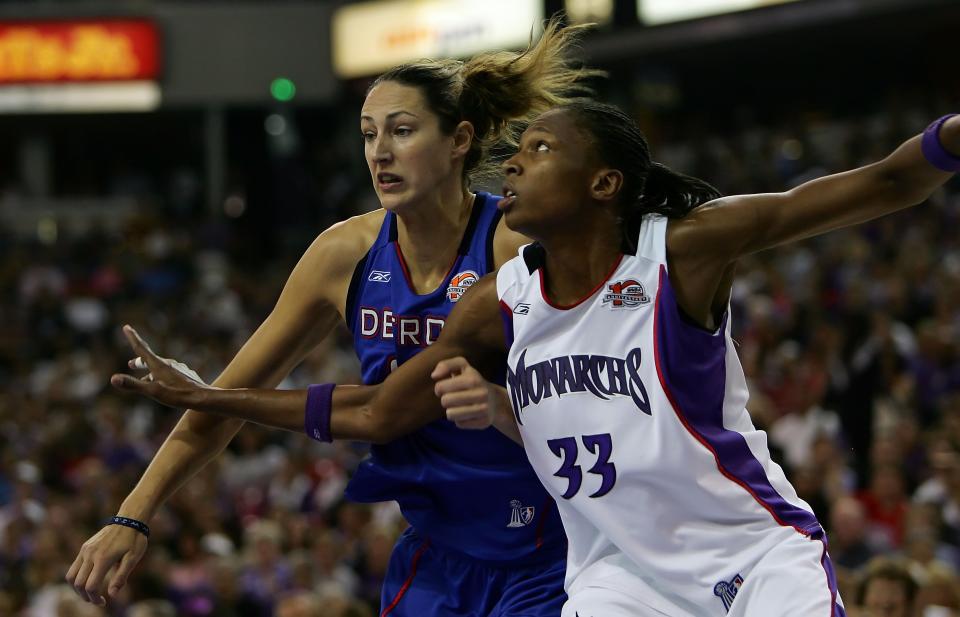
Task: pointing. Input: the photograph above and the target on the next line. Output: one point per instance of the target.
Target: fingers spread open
(128, 383)
(140, 346)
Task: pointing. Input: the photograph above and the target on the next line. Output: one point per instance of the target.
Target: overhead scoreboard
(79, 65)
(656, 12)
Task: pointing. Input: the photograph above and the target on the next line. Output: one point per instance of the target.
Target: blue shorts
(426, 580)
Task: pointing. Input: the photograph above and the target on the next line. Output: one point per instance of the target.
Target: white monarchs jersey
(635, 420)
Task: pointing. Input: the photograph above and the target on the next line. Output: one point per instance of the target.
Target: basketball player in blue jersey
(485, 538)
(624, 386)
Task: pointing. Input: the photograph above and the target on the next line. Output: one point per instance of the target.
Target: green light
(283, 89)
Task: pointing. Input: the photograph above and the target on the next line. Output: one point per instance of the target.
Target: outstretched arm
(308, 308)
(703, 245)
(379, 413)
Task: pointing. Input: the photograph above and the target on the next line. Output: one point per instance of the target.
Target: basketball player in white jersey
(623, 383)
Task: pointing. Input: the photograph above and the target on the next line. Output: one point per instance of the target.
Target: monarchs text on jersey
(635, 420)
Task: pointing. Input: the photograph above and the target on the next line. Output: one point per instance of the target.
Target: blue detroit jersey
(471, 491)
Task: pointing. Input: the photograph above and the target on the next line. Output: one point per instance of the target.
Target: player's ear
(606, 184)
(462, 139)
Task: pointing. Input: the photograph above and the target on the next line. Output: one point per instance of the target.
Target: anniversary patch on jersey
(628, 293)
(601, 376)
(727, 590)
(460, 283)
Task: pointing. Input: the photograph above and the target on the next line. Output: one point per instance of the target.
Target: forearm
(904, 179)
(745, 224)
(381, 413)
(402, 404)
(503, 417)
(908, 174)
(361, 413)
(197, 438)
(378, 413)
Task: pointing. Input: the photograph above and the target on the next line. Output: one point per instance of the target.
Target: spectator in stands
(887, 590)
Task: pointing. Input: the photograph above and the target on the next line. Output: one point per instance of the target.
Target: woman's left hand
(167, 381)
(470, 400)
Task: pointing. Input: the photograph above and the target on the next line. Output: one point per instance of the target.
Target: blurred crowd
(849, 341)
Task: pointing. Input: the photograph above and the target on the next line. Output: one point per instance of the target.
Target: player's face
(547, 181)
(886, 598)
(408, 156)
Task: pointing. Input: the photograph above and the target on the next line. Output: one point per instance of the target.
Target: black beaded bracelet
(132, 523)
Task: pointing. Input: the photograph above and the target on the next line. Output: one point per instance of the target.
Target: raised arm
(378, 413)
(703, 245)
(308, 308)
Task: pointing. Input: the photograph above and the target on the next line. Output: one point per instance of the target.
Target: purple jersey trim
(836, 608)
(691, 365)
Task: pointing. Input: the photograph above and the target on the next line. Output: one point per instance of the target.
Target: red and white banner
(107, 50)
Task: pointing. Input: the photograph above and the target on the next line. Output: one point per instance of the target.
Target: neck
(581, 258)
(430, 232)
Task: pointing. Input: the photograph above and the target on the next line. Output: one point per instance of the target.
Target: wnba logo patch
(459, 284)
(625, 294)
(727, 590)
(520, 515)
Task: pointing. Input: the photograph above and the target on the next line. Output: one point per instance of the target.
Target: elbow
(918, 197)
(907, 194)
(361, 414)
(382, 419)
(380, 436)
(378, 428)
(903, 189)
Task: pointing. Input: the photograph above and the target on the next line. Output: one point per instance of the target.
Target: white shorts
(793, 579)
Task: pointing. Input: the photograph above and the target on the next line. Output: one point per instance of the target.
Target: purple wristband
(934, 151)
(316, 422)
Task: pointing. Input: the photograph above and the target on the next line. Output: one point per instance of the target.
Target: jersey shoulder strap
(481, 229)
(652, 239)
(518, 270)
(386, 235)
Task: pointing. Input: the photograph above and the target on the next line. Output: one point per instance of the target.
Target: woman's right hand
(168, 382)
(114, 545)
